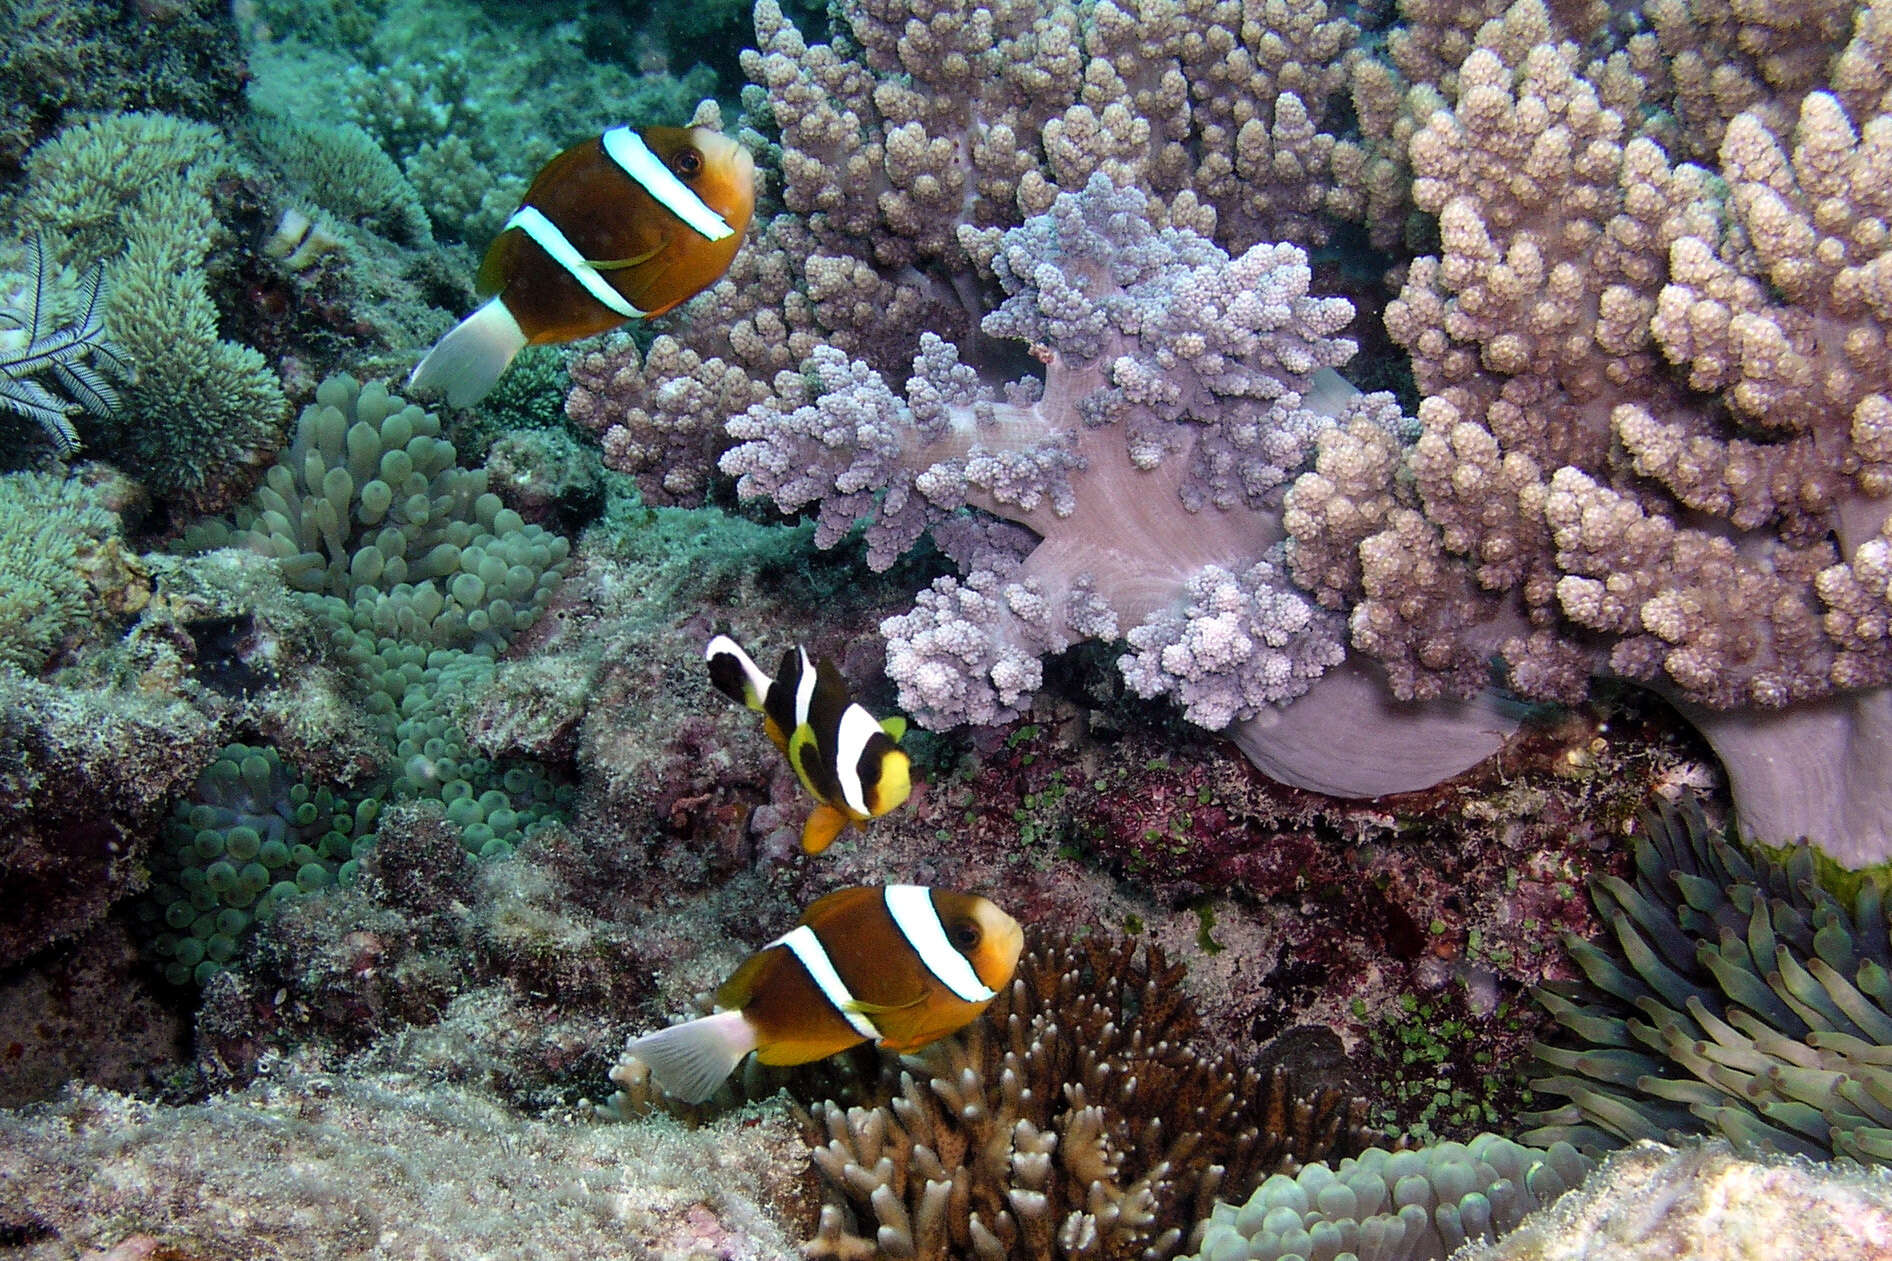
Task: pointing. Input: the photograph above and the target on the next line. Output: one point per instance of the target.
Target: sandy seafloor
(529, 842)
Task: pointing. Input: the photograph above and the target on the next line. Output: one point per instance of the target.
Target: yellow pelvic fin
(823, 825)
(895, 727)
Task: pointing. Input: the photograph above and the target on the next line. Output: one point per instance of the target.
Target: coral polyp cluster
(251, 833)
(1406, 1205)
(1741, 996)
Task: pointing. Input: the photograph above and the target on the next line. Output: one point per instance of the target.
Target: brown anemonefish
(849, 763)
(901, 965)
(621, 227)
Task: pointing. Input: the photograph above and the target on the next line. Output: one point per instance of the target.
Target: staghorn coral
(1741, 995)
(1419, 1205)
(1076, 1119)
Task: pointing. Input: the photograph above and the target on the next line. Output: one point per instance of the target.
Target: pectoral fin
(895, 726)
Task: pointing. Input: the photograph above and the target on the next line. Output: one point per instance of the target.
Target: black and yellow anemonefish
(622, 227)
(900, 965)
(850, 763)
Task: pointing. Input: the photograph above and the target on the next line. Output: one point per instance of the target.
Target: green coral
(467, 127)
(422, 575)
(1740, 996)
(1417, 1205)
(201, 412)
(62, 58)
(85, 185)
(328, 23)
(49, 527)
(344, 171)
(251, 834)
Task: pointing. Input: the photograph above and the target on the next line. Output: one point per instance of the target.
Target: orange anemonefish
(618, 228)
(849, 763)
(901, 965)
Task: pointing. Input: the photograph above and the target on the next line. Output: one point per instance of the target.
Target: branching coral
(967, 191)
(924, 119)
(1740, 994)
(1076, 1120)
(1652, 437)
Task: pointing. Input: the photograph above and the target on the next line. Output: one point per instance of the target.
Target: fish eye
(965, 934)
(687, 163)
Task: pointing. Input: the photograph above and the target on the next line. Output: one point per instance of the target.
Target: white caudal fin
(691, 1060)
(468, 361)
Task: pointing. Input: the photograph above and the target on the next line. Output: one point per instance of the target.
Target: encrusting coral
(1707, 1202)
(54, 535)
(1076, 1119)
(1741, 996)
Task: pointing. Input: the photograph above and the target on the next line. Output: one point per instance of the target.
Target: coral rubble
(1707, 1203)
(383, 1165)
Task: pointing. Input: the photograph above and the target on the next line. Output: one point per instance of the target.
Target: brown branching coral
(1076, 1119)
